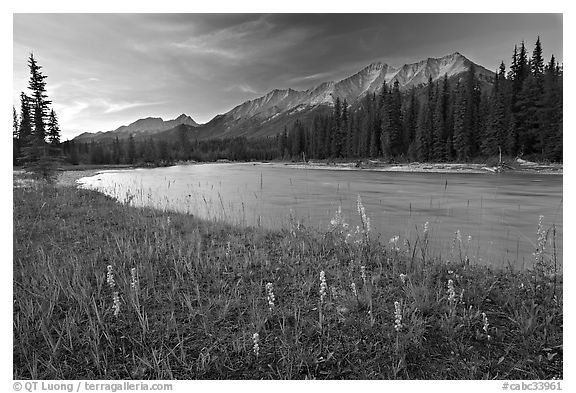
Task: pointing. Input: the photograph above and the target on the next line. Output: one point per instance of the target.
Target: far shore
(519, 166)
(69, 174)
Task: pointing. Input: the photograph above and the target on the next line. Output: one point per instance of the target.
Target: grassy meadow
(104, 290)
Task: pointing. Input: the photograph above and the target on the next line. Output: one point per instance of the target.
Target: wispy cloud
(140, 65)
(323, 76)
(112, 107)
(243, 88)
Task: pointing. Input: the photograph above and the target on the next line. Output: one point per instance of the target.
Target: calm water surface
(496, 214)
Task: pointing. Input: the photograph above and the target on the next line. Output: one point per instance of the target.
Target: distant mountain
(141, 127)
(368, 80)
(267, 115)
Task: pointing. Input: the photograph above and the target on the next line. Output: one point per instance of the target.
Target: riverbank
(198, 294)
(518, 166)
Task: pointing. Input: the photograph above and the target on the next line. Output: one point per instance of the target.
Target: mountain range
(268, 114)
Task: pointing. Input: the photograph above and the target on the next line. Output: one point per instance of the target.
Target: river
(496, 214)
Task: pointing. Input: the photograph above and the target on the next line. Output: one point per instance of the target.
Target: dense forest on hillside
(520, 115)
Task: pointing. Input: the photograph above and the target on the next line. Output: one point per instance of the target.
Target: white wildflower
(394, 241)
(486, 324)
(256, 341)
(134, 281)
(323, 286)
(362, 212)
(353, 288)
(397, 316)
(403, 278)
(363, 273)
(270, 295)
(110, 277)
(116, 303)
(451, 292)
(334, 292)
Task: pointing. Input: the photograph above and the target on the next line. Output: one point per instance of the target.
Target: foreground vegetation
(108, 291)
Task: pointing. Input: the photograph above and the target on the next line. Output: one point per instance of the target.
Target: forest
(518, 115)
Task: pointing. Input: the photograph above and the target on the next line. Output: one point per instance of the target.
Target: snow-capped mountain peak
(368, 80)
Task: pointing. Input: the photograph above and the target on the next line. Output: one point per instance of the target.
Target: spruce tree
(25, 127)
(39, 101)
(425, 127)
(410, 124)
(14, 123)
(53, 129)
(537, 63)
(441, 121)
(395, 121)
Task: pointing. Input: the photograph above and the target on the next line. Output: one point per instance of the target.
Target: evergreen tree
(53, 129)
(467, 118)
(15, 123)
(537, 63)
(15, 142)
(131, 150)
(425, 128)
(441, 121)
(395, 121)
(39, 101)
(494, 140)
(383, 120)
(25, 128)
(410, 124)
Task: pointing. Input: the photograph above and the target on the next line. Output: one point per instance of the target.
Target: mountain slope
(267, 115)
(147, 126)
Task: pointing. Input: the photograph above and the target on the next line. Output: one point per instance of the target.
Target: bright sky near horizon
(107, 70)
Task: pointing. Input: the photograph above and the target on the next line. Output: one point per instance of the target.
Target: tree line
(158, 152)
(36, 133)
(520, 116)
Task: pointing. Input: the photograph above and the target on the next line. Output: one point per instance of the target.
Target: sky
(108, 70)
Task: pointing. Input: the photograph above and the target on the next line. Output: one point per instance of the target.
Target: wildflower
(397, 316)
(228, 249)
(426, 227)
(458, 236)
(451, 292)
(403, 278)
(116, 303)
(323, 286)
(362, 212)
(486, 324)
(354, 291)
(363, 273)
(394, 242)
(256, 341)
(539, 254)
(168, 220)
(462, 296)
(337, 222)
(270, 294)
(334, 292)
(110, 277)
(134, 282)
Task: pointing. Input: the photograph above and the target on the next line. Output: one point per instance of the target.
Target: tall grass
(192, 299)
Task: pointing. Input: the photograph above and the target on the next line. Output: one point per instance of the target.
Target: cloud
(314, 77)
(243, 87)
(112, 107)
